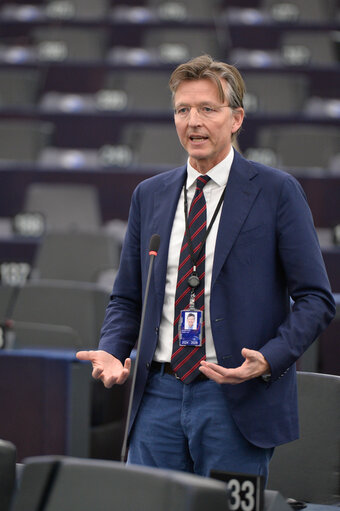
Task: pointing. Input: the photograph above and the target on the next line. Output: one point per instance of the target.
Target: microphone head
(154, 243)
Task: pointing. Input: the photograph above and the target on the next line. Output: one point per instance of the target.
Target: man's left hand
(253, 366)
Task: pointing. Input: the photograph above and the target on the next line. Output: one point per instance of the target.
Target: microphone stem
(135, 367)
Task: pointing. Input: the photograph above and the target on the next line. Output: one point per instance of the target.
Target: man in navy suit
(266, 298)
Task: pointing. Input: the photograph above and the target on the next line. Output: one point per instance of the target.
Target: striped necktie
(185, 360)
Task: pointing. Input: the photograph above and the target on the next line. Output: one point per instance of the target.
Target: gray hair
(204, 67)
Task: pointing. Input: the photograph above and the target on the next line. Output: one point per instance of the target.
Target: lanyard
(193, 279)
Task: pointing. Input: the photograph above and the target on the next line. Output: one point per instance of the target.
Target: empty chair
(69, 311)
(21, 13)
(154, 144)
(154, 84)
(17, 53)
(244, 15)
(65, 206)
(59, 157)
(76, 256)
(77, 9)
(167, 45)
(308, 469)
(256, 58)
(301, 10)
(308, 48)
(29, 334)
(70, 43)
(319, 106)
(299, 146)
(178, 45)
(7, 473)
(84, 485)
(68, 103)
(22, 140)
(18, 87)
(179, 11)
(275, 92)
(91, 159)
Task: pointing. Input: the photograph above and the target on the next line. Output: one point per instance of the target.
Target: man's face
(204, 125)
(191, 321)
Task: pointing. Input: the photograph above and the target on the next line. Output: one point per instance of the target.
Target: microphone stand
(153, 249)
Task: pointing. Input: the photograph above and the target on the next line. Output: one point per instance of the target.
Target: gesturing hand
(253, 366)
(106, 367)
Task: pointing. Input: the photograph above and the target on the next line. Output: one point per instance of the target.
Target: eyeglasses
(205, 111)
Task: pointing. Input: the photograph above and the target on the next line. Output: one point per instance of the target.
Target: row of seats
(118, 90)
(86, 118)
(312, 148)
(162, 44)
(305, 470)
(150, 10)
(51, 313)
(58, 300)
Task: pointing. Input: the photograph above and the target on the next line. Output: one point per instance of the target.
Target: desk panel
(45, 402)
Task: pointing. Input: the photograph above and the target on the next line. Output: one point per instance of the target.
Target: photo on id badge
(190, 328)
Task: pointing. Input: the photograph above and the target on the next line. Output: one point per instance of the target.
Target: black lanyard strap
(187, 231)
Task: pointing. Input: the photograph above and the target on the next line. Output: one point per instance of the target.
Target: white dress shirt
(212, 192)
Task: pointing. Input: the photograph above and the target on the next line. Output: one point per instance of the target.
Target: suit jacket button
(148, 365)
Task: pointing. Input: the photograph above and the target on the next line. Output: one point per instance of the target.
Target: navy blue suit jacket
(266, 253)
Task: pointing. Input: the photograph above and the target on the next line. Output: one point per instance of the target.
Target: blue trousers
(190, 428)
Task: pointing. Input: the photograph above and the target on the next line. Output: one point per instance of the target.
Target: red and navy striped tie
(185, 360)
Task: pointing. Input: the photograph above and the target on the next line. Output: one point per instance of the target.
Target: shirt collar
(219, 174)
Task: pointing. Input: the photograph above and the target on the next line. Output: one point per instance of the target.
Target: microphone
(153, 250)
(154, 244)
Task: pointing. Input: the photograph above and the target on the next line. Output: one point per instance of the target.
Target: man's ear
(238, 116)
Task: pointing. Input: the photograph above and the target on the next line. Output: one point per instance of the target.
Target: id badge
(190, 328)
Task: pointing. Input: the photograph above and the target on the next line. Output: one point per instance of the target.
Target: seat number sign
(246, 491)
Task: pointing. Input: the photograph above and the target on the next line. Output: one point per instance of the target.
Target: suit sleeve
(121, 323)
(313, 305)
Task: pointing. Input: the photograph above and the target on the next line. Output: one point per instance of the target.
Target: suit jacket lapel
(240, 195)
(165, 201)
(241, 192)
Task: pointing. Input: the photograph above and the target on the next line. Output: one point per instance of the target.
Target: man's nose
(194, 117)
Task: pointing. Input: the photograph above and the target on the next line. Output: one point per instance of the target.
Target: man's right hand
(106, 367)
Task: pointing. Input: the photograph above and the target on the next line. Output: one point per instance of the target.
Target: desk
(45, 402)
